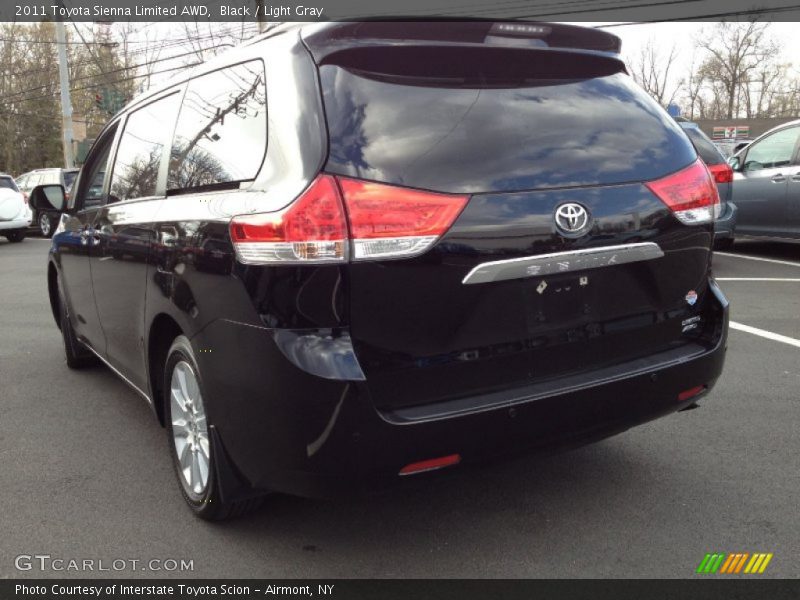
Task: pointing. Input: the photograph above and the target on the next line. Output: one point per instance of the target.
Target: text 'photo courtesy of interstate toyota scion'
(345, 254)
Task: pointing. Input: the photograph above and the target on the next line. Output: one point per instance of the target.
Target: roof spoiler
(327, 38)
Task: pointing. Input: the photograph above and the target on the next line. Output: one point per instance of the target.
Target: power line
(711, 16)
(85, 77)
(79, 63)
(91, 87)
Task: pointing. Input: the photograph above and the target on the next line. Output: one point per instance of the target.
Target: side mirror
(48, 197)
(733, 161)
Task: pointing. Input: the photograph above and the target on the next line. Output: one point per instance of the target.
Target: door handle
(796, 177)
(779, 178)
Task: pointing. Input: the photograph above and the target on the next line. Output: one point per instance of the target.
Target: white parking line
(770, 260)
(789, 279)
(776, 337)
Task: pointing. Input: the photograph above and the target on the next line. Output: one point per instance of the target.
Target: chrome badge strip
(562, 262)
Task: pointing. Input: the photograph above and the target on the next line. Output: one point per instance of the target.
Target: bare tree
(651, 70)
(735, 54)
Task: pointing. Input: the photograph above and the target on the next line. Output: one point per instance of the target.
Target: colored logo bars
(739, 562)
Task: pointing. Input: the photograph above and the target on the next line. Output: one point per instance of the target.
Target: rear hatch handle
(562, 262)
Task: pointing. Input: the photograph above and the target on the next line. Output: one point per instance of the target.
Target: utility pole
(66, 103)
(260, 16)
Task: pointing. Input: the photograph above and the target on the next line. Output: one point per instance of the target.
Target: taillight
(311, 229)
(338, 218)
(722, 173)
(690, 193)
(389, 221)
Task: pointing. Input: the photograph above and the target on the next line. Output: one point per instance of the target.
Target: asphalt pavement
(85, 473)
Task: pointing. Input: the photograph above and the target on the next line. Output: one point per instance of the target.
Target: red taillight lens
(382, 221)
(390, 221)
(691, 393)
(722, 173)
(431, 464)
(690, 193)
(311, 229)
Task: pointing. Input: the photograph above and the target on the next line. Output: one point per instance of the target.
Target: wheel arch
(162, 332)
(52, 291)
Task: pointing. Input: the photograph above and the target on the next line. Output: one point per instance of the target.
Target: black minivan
(346, 253)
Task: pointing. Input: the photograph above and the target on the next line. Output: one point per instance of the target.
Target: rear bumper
(20, 223)
(288, 431)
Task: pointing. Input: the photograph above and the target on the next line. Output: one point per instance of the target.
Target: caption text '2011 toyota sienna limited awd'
(348, 252)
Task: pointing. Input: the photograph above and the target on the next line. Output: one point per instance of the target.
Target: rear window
(484, 131)
(704, 146)
(8, 183)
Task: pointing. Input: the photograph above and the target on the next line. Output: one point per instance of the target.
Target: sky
(634, 37)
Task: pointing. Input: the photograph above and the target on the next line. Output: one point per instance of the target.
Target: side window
(773, 151)
(90, 192)
(136, 166)
(221, 134)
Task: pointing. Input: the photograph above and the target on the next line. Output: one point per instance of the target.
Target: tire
(45, 225)
(77, 355)
(15, 236)
(723, 244)
(189, 438)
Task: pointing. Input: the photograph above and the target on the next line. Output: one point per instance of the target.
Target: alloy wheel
(44, 225)
(189, 429)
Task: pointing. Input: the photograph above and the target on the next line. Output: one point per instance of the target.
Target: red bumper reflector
(430, 464)
(691, 393)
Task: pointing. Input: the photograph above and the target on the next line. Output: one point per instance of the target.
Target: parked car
(766, 184)
(455, 240)
(725, 224)
(46, 221)
(15, 216)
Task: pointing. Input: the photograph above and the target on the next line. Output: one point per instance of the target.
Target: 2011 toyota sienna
(348, 252)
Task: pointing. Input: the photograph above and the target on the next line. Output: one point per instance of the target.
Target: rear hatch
(522, 132)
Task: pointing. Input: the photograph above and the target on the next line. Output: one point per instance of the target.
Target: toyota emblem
(572, 219)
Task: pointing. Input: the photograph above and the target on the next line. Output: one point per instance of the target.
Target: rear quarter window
(511, 134)
(8, 183)
(221, 134)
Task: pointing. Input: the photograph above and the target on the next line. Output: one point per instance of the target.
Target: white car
(15, 214)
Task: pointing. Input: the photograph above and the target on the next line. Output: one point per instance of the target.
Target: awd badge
(691, 298)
